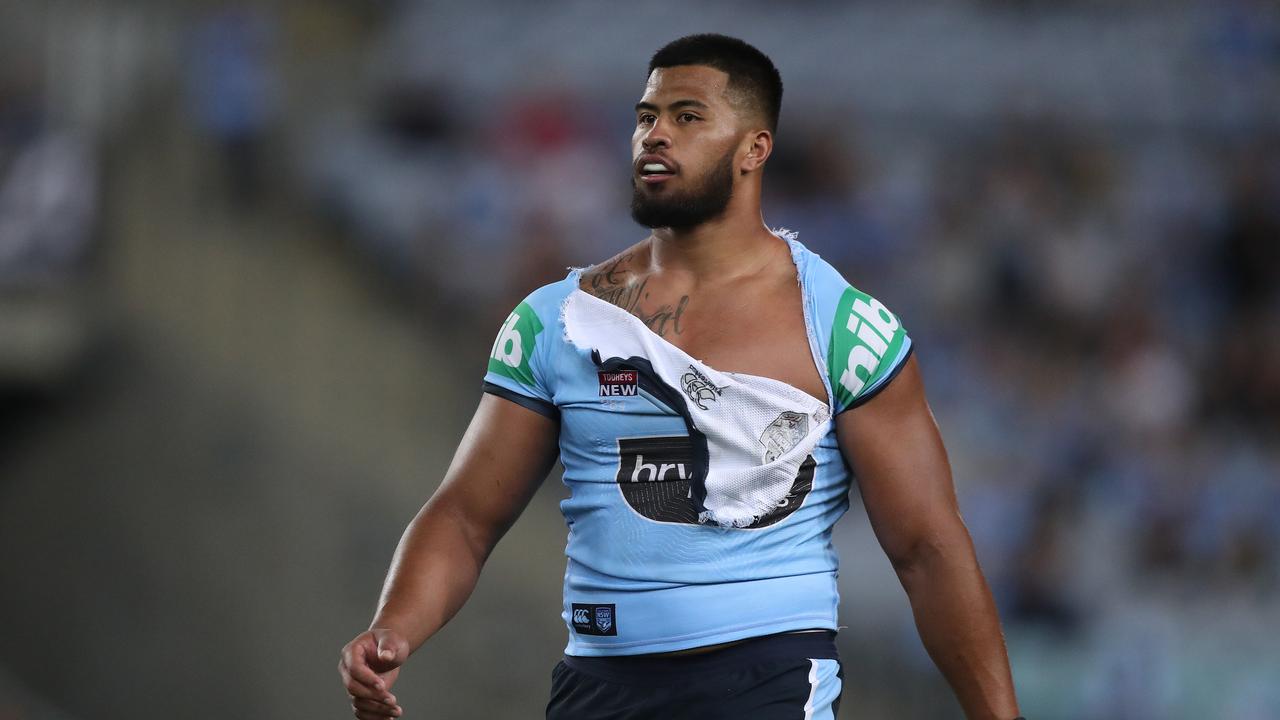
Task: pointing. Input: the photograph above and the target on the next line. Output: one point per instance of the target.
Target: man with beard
(709, 390)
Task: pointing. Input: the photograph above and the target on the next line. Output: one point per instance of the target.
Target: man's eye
(646, 119)
(688, 117)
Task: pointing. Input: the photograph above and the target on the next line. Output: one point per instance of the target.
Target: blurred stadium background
(252, 257)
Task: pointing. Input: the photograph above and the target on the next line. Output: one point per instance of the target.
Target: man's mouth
(655, 171)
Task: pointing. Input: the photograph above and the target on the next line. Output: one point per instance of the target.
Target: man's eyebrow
(678, 104)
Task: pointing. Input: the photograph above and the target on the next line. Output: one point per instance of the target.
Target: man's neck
(716, 251)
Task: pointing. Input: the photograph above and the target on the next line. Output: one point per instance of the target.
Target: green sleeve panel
(868, 345)
(513, 349)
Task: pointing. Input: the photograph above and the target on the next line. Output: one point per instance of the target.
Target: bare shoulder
(606, 279)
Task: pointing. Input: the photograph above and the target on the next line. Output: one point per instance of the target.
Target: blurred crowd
(1094, 293)
(48, 228)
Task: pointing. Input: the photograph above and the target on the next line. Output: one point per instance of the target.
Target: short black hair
(750, 71)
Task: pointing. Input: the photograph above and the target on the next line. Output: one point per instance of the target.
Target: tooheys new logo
(624, 383)
(864, 334)
(511, 351)
(654, 475)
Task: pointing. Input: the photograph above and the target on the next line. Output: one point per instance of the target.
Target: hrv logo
(657, 471)
(654, 475)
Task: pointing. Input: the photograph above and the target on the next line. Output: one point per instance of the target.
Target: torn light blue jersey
(676, 540)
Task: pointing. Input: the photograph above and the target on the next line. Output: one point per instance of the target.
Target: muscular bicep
(504, 456)
(893, 445)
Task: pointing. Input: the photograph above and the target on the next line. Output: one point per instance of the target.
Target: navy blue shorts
(794, 676)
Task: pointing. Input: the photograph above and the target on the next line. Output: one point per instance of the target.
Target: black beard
(695, 207)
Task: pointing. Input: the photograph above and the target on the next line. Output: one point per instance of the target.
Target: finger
(366, 715)
(376, 705)
(358, 669)
(373, 706)
(392, 649)
(364, 692)
(374, 690)
(359, 683)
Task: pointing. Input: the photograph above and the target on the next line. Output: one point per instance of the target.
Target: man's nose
(657, 137)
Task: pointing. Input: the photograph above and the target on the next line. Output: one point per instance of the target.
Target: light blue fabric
(824, 690)
(676, 585)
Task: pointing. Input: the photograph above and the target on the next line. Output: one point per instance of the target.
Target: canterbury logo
(699, 387)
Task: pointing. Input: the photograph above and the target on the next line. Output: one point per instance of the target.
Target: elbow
(946, 545)
(908, 557)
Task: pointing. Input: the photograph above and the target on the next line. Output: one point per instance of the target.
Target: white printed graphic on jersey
(758, 430)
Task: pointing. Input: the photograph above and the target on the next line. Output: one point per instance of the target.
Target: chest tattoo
(616, 287)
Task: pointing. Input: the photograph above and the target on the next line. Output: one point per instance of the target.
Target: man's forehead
(694, 82)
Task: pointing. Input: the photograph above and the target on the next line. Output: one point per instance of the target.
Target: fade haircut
(753, 79)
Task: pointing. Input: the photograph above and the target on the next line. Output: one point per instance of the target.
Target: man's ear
(759, 146)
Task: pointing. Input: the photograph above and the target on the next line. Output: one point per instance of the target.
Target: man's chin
(647, 212)
(646, 222)
(653, 220)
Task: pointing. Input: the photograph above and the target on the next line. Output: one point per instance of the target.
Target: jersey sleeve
(864, 344)
(867, 348)
(517, 360)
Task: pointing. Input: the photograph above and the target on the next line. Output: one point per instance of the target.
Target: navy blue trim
(538, 405)
(651, 383)
(753, 651)
(862, 399)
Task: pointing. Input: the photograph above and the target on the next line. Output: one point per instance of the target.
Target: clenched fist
(369, 666)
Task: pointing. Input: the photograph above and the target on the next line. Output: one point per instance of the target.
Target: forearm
(434, 570)
(958, 623)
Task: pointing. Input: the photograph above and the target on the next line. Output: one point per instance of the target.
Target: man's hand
(369, 666)
(507, 451)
